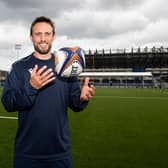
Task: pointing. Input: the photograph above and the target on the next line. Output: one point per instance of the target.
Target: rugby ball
(69, 61)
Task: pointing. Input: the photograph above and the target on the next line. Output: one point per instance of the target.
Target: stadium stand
(154, 60)
(3, 75)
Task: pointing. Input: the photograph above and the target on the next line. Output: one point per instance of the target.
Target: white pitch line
(132, 97)
(12, 118)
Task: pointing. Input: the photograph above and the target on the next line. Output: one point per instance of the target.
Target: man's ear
(54, 37)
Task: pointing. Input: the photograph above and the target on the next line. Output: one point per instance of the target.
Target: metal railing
(128, 50)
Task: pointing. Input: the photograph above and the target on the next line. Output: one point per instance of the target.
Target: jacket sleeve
(18, 94)
(74, 96)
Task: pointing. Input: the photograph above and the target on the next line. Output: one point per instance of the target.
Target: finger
(48, 81)
(91, 91)
(82, 95)
(92, 86)
(46, 72)
(83, 98)
(34, 70)
(47, 77)
(41, 70)
(88, 97)
(86, 82)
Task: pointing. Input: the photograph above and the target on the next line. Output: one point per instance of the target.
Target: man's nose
(42, 38)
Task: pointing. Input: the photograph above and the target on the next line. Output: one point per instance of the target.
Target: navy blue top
(43, 130)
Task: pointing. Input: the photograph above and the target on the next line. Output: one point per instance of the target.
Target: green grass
(122, 132)
(7, 135)
(121, 128)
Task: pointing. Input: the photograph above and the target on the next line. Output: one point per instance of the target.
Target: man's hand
(41, 77)
(87, 91)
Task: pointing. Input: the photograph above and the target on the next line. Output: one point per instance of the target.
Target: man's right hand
(41, 77)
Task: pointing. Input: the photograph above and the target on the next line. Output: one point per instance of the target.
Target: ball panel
(81, 54)
(70, 61)
(72, 70)
(60, 57)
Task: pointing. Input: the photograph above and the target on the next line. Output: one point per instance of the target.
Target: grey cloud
(42, 4)
(26, 11)
(123, 4)
(79, 26)
(99, 25)
(155, 10)
(96, 31)
(20, 3)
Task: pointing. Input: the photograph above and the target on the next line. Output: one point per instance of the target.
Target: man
(42, 98)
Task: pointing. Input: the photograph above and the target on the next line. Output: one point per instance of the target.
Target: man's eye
(48, 33)
(38, 34)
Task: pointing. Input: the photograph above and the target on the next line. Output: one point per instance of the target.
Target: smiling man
(42, 98)
(42, 36)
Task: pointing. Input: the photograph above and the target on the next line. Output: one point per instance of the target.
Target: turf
(121, 128)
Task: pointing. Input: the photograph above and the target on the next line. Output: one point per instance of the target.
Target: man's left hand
(87, 91)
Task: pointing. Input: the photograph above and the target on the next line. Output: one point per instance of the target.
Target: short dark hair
(42, 19)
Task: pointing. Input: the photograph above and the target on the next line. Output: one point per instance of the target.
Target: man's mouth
(43, 45)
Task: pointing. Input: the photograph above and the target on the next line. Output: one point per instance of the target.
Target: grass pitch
(121, 128)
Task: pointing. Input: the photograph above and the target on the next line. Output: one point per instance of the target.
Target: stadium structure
(151, 65)
(3, 74)
(134, 60)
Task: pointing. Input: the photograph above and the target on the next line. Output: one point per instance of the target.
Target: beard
(42, 51)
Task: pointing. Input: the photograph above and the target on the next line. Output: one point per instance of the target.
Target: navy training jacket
(43, 128)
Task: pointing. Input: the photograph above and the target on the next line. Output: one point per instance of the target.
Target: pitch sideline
(132, 97)
(11, 118)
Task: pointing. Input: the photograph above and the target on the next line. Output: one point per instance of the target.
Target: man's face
(42, 37)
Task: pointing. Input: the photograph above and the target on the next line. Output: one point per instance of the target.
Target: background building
(154, 60)
(3, 75)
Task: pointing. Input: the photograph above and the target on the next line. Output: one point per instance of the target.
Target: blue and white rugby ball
(69, 61)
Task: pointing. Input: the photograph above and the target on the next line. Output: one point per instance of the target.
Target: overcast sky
(90, 24)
